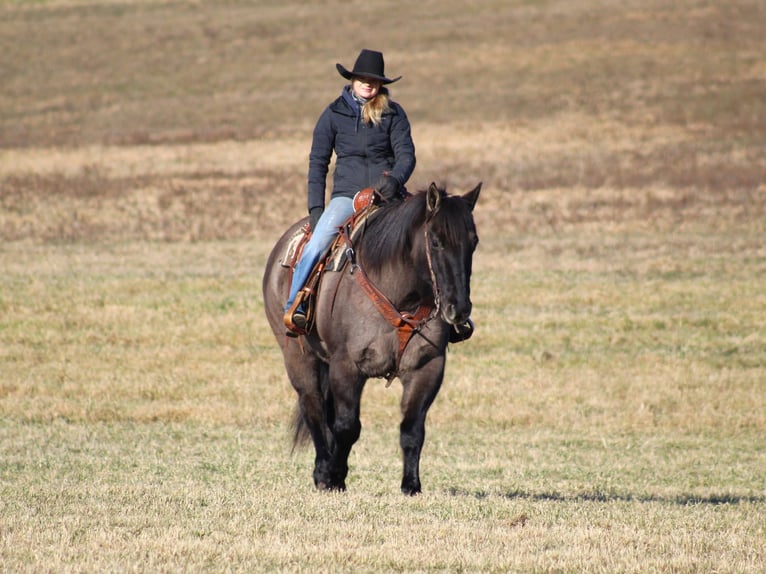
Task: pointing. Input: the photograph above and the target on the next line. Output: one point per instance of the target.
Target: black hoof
(410, 489)
(330, 487)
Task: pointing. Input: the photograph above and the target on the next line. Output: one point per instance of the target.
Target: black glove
(314, 214)
(388, 188)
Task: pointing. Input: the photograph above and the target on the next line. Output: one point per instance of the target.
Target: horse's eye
(435, 242)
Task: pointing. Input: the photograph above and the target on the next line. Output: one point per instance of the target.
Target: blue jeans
(337, 212)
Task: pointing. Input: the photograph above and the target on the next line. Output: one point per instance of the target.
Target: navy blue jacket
(363, 151)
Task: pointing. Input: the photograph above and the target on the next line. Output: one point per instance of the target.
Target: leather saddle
(365, 203)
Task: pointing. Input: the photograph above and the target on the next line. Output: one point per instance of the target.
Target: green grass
(599, 420)
(165, 496)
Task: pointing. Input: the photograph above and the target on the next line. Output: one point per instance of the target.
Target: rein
(434, 284)
(405, 323)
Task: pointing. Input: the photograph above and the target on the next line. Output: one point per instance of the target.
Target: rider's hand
(388, 188)
(314, 215)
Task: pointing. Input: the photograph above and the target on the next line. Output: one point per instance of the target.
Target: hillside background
(143, 119)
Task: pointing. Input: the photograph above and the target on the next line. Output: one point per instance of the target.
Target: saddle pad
(336, 255)
(336, 258)
(292, 250)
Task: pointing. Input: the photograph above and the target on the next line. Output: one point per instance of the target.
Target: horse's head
(424, 246)
(451, 239)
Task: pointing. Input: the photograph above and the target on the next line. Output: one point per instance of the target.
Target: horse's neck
(403, 276)
(400, 280)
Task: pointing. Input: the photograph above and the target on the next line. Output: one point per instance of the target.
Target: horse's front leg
(419, 391)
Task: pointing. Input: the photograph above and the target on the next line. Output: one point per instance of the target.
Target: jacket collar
(347, 105)
(353, 103)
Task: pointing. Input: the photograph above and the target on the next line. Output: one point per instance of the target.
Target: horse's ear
(433, 199)
(472, 196)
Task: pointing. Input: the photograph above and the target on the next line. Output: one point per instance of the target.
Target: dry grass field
(609, 415)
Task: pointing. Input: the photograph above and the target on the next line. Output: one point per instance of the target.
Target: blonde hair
(373, 109)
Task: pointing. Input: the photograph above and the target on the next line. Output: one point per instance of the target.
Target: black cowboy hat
(369, 64)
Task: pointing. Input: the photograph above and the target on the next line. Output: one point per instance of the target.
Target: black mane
(388, 236)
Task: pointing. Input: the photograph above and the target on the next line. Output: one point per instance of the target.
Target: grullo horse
(386, 313)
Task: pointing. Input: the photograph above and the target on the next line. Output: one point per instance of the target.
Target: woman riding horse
(370, 135)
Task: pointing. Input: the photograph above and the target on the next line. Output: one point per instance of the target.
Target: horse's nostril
(455, 315)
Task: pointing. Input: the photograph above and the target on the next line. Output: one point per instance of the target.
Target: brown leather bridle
(406, 324)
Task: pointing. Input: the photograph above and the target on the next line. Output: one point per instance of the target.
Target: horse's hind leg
(346, 389)
(419, 391)
(308, 376)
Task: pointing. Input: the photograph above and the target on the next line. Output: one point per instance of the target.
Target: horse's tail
(301, 432)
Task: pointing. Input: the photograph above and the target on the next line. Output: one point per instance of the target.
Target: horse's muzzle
(457, 314)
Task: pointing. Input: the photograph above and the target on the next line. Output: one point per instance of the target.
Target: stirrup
(461, 332)
(293, 330)
(299, 320)
(295, 319)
